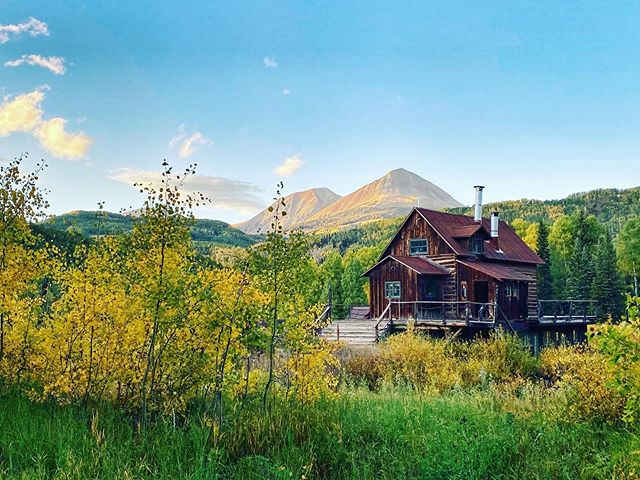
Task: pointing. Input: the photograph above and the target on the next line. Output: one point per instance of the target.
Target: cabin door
(480, 294)
(431, 290)
(481, 291)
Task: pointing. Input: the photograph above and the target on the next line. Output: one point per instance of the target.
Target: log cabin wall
(417, 227)
(392, 271)
(450, 283)
(532, 291)
(469, 275)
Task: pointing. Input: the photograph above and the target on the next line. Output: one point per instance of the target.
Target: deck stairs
(357, 329)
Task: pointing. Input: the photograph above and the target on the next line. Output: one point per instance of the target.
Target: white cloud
(53, 64)
(224, 193)
(32, 26)
(188, 145)
(286, 92)
(24, 113)
(289, 166)
(270, 62)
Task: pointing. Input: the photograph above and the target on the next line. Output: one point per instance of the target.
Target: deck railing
(567, 311)
(443, 313)
(384, 323)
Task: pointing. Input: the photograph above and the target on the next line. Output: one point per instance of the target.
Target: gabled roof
(496, 270)
(420, 265)
(510, 247)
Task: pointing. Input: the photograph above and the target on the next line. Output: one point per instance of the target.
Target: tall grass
(391, 434)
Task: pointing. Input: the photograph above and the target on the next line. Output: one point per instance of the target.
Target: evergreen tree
(628, 244)
(545, 281)
(580, 265)
(607, 282)
(580, 273)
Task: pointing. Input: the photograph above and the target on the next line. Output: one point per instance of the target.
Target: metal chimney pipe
(478, 210)
(495, 223)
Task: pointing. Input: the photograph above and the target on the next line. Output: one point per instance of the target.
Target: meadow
(502, 414)
(389, 435)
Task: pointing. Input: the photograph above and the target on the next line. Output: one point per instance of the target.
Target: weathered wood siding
(391, 271)
(469, 275)
(417, 227)
(514, 308)
(532, 291)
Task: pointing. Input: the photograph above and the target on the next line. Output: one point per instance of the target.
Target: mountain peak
(299, 207)
(391, 195)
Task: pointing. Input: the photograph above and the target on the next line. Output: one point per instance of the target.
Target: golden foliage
(586, 375)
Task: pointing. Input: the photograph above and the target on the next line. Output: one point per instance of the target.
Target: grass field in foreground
(390, 435)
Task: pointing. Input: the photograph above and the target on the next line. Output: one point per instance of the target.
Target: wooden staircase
(357, 329)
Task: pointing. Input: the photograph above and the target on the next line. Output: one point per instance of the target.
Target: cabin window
(477, 245)
(392, 289)
(512, 290)
(418, 246)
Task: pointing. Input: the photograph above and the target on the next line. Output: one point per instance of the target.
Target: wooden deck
(359, 329)
(442, 313)
(566, 312)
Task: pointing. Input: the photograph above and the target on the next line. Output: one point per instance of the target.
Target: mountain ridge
(392, 195)
(298, 205)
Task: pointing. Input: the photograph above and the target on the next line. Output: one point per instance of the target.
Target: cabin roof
(451, 227)
(420, 265)
(496, 270)
(467, 230)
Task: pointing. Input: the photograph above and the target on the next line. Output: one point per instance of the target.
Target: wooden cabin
(443, 270)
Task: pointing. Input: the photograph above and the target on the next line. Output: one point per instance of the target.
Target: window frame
(421, 252)
(512, 290)
(476, 240)
(387, 286)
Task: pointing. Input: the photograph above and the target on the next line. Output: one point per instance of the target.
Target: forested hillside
(92, 224)
(611, 206)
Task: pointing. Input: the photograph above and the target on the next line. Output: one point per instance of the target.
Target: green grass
(390, 435)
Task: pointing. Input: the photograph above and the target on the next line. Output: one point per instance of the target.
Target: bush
(586, 375)
(364, 369)
(423, 363)
(620, 345)
(436, 365)
(499, 358)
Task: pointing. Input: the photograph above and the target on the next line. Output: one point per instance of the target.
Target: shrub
(498, 358)
(620, 345)
(436, 365)
(364, 369)
(587, 376)
(423, 363)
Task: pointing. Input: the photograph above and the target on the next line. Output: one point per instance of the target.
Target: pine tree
(580, 273)
(545, 284)
(607, 286)
(580, 264)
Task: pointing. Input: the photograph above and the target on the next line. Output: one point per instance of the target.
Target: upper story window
(418, 246)
(476, 245)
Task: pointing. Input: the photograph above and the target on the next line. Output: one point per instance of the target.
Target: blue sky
(532, 99)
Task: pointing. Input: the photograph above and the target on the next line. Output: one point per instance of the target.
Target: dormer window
(418, 246)
(476, 245)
